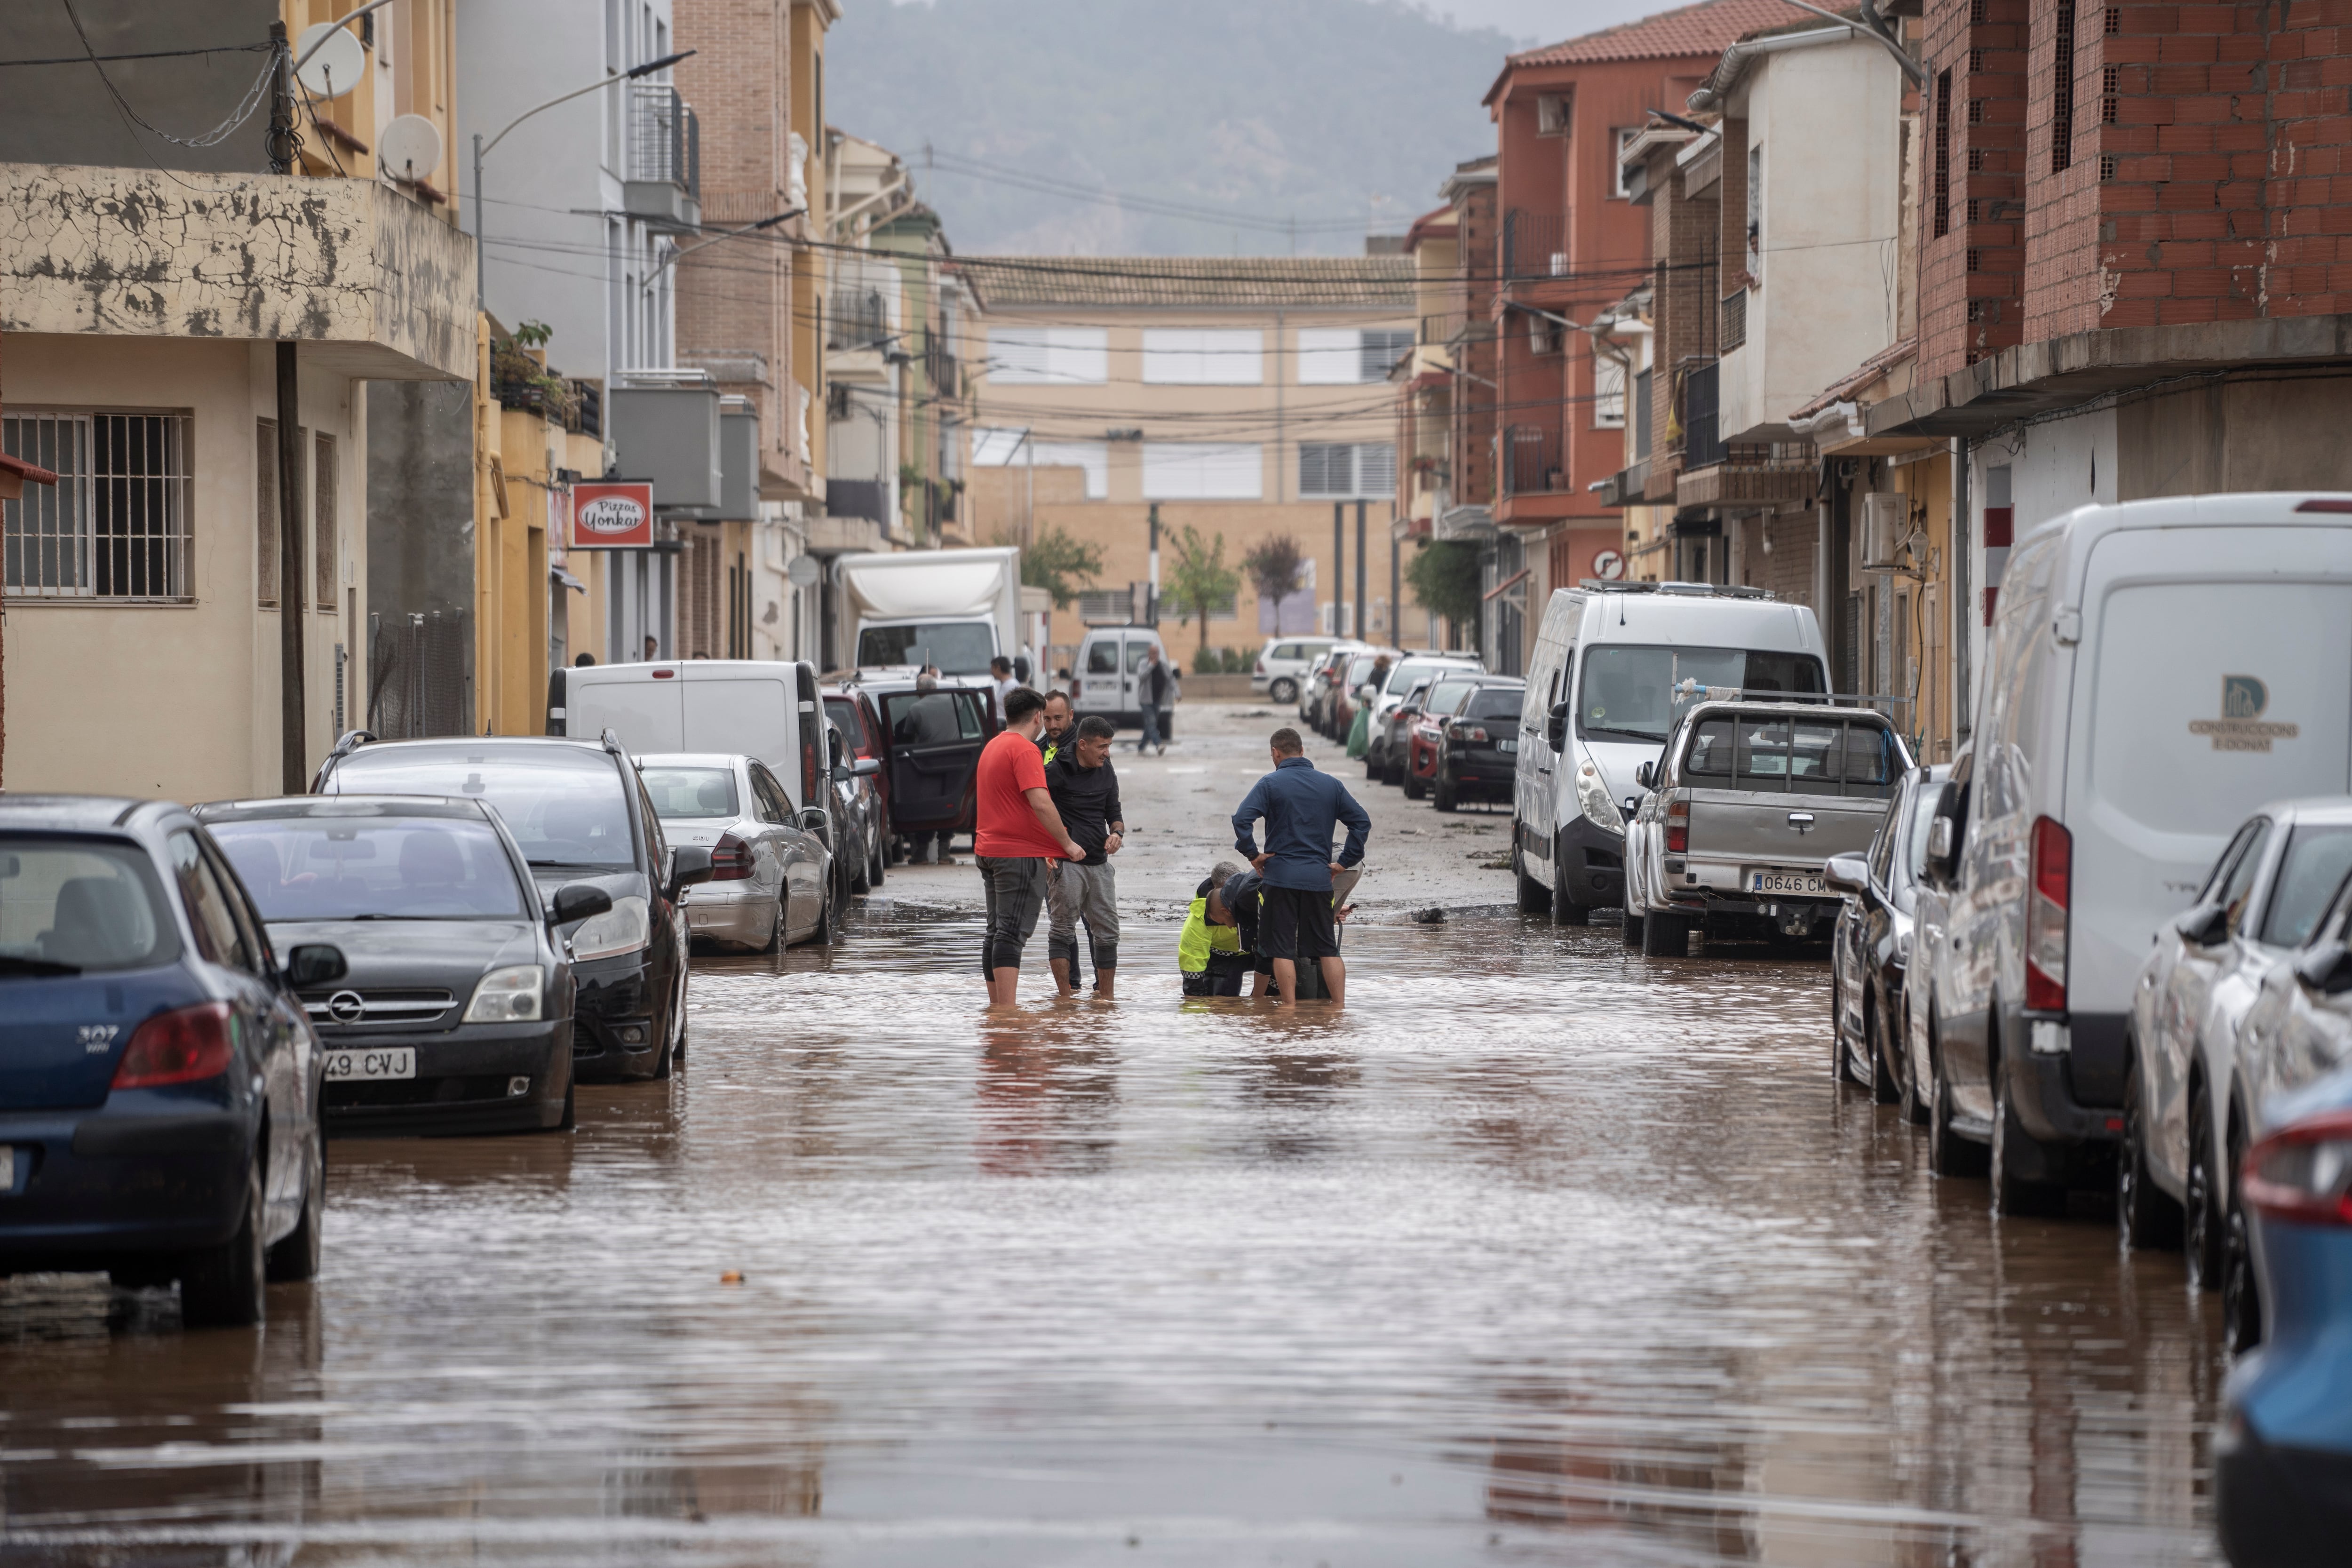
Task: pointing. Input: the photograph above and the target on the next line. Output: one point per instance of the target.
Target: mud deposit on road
(1542, 1253)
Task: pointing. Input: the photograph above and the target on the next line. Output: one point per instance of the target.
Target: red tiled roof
(1704, 29)
(1437, 224)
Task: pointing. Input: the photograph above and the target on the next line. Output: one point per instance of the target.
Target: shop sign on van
(2240, 727)
(613, 514)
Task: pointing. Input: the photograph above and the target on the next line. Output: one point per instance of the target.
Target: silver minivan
(1614, 665)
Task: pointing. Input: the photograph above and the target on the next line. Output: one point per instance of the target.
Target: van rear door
(649, 713)
(2215, 674)
(730, 709)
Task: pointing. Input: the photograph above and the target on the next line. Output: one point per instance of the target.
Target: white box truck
(956, 609)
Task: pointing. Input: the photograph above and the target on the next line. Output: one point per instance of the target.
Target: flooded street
(1541, 1253)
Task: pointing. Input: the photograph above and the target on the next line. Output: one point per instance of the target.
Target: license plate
(399, 1061)
(1798, 882)
(1506, 745)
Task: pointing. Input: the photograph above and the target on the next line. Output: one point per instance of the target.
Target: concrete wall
(61, 114)
(181, 700)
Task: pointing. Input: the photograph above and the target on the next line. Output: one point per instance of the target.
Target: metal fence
(416, 674)
(857, 318)
(1533, 245)
(1734, 321)
(664, 137)
(1531, 460)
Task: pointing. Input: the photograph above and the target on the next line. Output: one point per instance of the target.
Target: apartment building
(1241, 397)
(207, 428)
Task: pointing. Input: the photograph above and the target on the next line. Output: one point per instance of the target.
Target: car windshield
(380, 867)
(1496, 702)
(1402, 677)
(691, 792)
(953, 648)
(1628, 690)
(564, 805)
(71, 906)
(844, 713)
(2318, 857)
(1447, 695)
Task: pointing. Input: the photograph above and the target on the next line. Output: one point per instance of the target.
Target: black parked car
(1870, 947)
(580, 814)
(456, 1013)
(1478, 747)
(161, 1084)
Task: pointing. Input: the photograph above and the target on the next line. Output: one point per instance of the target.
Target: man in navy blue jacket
(1300, 806)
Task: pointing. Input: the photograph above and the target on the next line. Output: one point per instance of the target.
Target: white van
(762, 708)
(2156, 671)
(1601, 701)
(1102, 680)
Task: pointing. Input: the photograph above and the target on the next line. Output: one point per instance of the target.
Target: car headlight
(1594, 797)
(625, 928)
(507, 995)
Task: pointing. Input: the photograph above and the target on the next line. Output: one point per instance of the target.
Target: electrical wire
(253, 99)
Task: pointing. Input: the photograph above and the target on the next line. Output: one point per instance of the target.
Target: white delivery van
(955, 609)
(1103, 680)
(1601, 701)
(2157, 670)
(761, 708)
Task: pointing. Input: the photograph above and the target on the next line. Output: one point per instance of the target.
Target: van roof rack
(1693, 590)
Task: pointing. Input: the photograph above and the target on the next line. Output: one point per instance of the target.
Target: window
(2316, 859)
(1756, 212)
(93, 903)
(1346, 356)
(1102, 657)
(1346, 469)
(1003, 449)
(265, 513)
(692, 792)
(1049, 356)
(208, 908)
(1608, 393)
(561, 806)
(1188, 356)
(1943, 198)
(115, 525)
(336, 868)
(323, 521)
(1554, 112)
(1620, 139)
(2062, 95)
(1202, 471)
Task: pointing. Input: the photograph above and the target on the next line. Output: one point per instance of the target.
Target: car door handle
(1800, 820)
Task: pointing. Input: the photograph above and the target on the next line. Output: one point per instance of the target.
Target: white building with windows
(1237, 398)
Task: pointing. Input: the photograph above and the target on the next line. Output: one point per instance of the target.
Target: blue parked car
(159, 1083)
(2282, 1462)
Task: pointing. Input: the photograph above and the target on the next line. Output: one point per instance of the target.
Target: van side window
(1135, 652)
(968, 724)
(1102, 657)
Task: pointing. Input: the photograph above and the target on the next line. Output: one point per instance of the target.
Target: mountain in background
(1071, 127)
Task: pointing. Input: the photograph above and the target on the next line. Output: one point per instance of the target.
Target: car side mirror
(2327, 970)
(865, 767)
(815, 820)
(1631, 805)
(1644, 772)
(578, 901)
(1939, 840)
(315, 963)
(2207, 925)
(1556, 727)
(1846, 874)
(688, 864)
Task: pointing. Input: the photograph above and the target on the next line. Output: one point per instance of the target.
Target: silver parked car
(772, 880)
(2193, 1089)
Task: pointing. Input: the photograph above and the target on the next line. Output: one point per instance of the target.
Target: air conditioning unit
(1886, 530)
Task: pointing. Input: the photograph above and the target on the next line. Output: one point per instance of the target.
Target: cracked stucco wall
(349, 265)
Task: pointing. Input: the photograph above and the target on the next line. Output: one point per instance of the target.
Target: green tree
(1057, 562)
(1444, 578)
(1200, 582)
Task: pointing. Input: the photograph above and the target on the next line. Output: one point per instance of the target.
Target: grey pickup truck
(1744, 807)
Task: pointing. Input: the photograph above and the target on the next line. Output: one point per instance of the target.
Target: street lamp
(482, 148)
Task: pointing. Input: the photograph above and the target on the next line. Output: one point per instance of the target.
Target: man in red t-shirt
(1020, 836)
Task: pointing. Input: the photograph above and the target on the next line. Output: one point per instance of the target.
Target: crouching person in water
(1209, 952)
(1085, 788)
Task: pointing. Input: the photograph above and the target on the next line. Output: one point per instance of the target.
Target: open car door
(935, 743)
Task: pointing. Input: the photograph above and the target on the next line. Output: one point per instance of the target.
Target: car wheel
(2013, 1193)
(828, 925)
(1628, 924)
(1535, 898)
(1565, 910)
(1885, 1087)
(2146, 1215)
(1444, 795)
(570, 1108)
(295, 1257)
(2242, 1305)
(1665, 936)
(780, 932)
(1948, 1154)
(2201, 1221)
(1415, 787)
(1282, 690)
(674, 1037)
(1841, 1058)
(861, 881)
(221, 1286)
(874, 864)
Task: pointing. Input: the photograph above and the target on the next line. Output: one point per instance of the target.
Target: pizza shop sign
(612, 515)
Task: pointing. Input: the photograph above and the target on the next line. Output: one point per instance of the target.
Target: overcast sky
(1544, 21)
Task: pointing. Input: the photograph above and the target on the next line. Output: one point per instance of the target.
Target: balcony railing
(1641, 414)
(1530, 460)
(939, 366)
(1533, 245)
(1702, 438)
(663, 174)
(1735, 319)
(857, 320)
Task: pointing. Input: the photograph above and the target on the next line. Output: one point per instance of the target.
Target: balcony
(939, 367)
(1734, 321)
(1532, 461)
(855, 319)
(1750, 476)
(1533, 245)
(663, 182)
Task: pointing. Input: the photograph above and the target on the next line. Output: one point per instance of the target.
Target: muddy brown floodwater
(1543, 1253)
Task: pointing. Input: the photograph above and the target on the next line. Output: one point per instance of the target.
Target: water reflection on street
(1541, 1253)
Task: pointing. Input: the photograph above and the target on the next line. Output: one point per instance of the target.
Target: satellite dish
(805, 571)
(410, 148)
(338, 66)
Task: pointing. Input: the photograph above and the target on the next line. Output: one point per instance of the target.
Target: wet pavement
(1542, 1253)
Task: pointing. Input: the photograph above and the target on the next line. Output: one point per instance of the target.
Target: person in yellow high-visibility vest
(1211, 955)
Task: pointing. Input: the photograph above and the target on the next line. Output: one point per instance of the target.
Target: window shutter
(1376, 469)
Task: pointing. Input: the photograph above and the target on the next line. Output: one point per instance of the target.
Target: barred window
(266, 512)
(322, 512)
(115, 526)
(2062, 72)
(1943, 171)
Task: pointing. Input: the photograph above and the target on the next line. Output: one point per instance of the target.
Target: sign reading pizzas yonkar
(613, 514)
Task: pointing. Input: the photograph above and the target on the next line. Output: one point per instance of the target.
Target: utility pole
(293, 741)
(1362, 624)
(1339, 568)
(1151, 594)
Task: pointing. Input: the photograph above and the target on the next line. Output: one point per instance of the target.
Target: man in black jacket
(1085, 788)
(1152, 694)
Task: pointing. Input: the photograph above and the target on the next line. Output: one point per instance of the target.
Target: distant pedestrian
(1056, 731)
(1018, 838)
(1085, 788)
(1153, 689)
(1007, 683)
(584, 661)
(652, 647)
(1210, 955)
(1301, 807)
